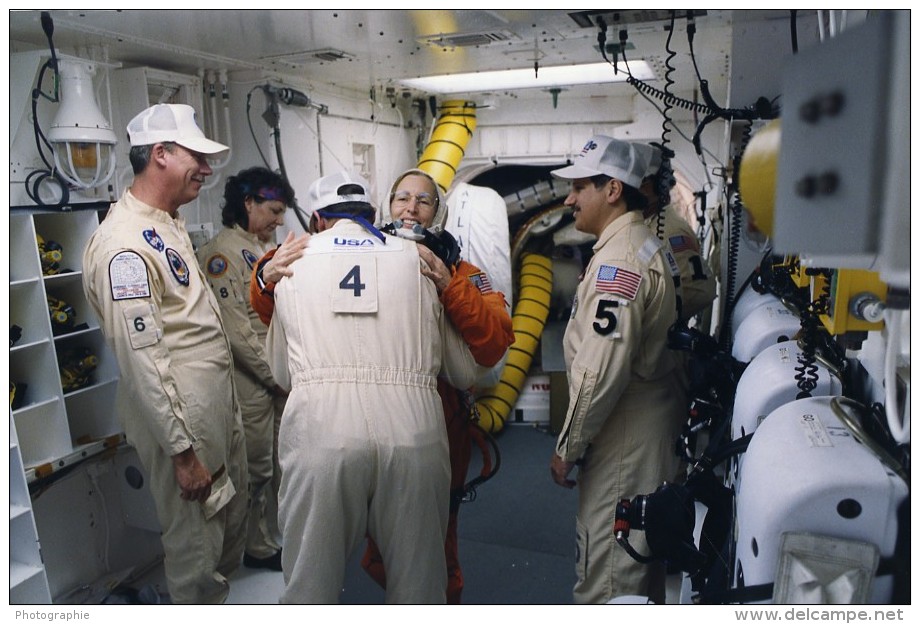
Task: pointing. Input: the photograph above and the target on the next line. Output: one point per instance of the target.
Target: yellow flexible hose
(530, 313)
(448, 141)
(440, 160)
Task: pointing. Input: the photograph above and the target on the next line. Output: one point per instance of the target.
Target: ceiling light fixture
(547, 77)
(83, 139)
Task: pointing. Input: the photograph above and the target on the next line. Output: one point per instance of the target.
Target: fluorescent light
(555, 76)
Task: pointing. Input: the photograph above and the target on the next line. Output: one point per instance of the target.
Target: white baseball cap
(175, 123)
(338, 188)
(603, 155)
(650, 156)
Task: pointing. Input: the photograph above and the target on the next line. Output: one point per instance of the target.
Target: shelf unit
(28, 581)
(53, 427)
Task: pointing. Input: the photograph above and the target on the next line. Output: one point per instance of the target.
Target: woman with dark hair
(254, 204)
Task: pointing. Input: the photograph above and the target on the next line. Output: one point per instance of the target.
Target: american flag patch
(481, 281)
(682, 243)
(611, 279)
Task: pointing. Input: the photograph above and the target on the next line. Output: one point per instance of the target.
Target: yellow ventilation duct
(448, 142)
(528, 321)
(440, 160)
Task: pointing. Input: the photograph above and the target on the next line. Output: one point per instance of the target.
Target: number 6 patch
(354, 289)
(141, 326)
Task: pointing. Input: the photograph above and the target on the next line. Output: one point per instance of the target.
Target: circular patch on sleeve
(178, 266)
(217, 265)
(153, 239)
(250, 258)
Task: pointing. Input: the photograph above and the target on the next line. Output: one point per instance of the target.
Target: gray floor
(517, 543)
(516, 539)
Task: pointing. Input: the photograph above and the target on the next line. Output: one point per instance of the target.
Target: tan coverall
(363, 445)
(626, 405)
(176, 388)
(227, 262)
(698, 287)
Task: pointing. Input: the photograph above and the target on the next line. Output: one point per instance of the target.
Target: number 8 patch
(354, 287)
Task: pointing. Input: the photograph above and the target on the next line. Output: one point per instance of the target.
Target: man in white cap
(478, 312)
(625, 404)
(359, 335)
(176, 399)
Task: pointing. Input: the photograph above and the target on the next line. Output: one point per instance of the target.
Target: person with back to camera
(255, 200)
(698, 287)
(359, 335)
(625, 403)
(176, 397)
(474, 308)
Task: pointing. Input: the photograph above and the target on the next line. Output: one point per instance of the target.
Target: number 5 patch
(606, 323)
(141, 326)
(354, 289)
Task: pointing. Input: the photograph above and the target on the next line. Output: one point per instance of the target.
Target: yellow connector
(798, 275)
(856, 301)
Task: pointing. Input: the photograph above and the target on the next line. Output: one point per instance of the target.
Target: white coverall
(227, 262)
(626, 404)
(176, 388)
(363, 445)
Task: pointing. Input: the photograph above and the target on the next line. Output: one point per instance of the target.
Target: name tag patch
(128, 276)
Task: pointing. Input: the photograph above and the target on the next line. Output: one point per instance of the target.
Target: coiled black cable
(646, 89)
(668, 84)
(762, 109)
(667, 98)
(806, 372)
(33, 185)
(806, 375)
(737, 208)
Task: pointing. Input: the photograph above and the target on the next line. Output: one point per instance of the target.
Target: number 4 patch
(354, 289)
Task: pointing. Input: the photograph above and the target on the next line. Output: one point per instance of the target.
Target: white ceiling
(361, 49)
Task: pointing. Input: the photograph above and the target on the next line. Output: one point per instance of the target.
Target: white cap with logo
(603, 155)
(171, 123)
(338, 188)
